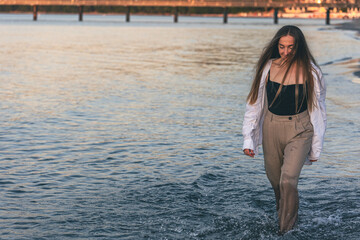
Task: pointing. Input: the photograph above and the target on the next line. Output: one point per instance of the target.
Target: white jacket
(254, 116)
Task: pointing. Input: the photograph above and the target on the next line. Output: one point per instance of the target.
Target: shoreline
(353, 25)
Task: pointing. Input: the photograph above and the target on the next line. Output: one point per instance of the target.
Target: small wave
(332, 220)
(357, 73)
(5, 182)
(327, 63)
(356, 80)
(118, 151)
(339, 61)
(207, 180)
(344, 59)
(343, 104)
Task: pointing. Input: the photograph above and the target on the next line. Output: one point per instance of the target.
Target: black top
(285, 102)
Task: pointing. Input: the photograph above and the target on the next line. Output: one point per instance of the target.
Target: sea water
(115, 130)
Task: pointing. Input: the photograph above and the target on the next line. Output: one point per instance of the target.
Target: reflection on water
(133, 131)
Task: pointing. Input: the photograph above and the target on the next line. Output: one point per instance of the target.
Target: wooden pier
(225, 4)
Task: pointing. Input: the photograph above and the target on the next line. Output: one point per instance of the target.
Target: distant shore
(267, 14)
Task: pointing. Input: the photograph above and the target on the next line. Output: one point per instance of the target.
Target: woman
(286, 112)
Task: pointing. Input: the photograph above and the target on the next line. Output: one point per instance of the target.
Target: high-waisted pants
(286, 143)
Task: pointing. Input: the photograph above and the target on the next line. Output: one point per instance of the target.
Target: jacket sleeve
(253, 117)
(318, 117)
(252, 121)
(249, 126)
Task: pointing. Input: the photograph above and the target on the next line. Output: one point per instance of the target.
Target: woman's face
(286, 44)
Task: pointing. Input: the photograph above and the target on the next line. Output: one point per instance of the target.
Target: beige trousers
(286, 143)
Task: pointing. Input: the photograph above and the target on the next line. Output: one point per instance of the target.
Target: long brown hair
(300, 57)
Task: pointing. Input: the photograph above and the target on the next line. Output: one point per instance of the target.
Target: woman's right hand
(249, 152)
